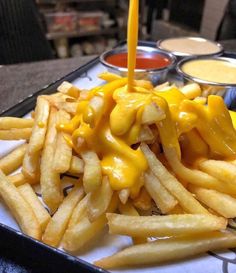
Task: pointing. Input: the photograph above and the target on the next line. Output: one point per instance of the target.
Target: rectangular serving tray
(24, 250)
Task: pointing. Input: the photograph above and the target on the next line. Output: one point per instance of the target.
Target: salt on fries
(129, 153)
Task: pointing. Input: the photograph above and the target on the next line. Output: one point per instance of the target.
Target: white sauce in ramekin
(190, 46)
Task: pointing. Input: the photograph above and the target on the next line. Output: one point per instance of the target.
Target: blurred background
(32, 30)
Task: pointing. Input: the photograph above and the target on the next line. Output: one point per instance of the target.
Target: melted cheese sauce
(190, 46)
(112, 130)
(219, 71)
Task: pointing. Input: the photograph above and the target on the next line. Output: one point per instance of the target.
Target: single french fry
(146, 135)
(143, 200)
(18, 179)
(94, 113)
(63, 151)
(129, 209)
(31, 198)
(20, 209)
(40, 126)
(152, 113)
(219, 169)
(222, 203)
(143, 84)
(185, 198)
(108, 76)
(69, 107)
(82, 232)
(165, 225)
(163, 199)
(69, 89)
(191, 91)
(15, 134)
(169, 250)
(30, 167)
(69, 180)
(200, 100)
(76, 165)
(63, 102)
(92, 177)
(75, 238)
(99, 200)
(177, 210)
(79, 212)
(197, 177)
(58, 223)
(124, 195)
(49, 179)
(7, 123)
(162, 86)
(13, 160)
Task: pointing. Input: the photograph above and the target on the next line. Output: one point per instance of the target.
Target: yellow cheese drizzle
(132, 40)
(112, 132)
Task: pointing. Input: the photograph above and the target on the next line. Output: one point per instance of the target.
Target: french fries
(197, 177)
(99, 200)
(222, 203)
(31, 198)
(40, 126)
(80, 233)
(58, 223)
(91, 152)
(79, 212)
(92, 177)
(7, 123)
(18, 179)
(168, 250)
(143, 200)
(222, 170)
(185, 198)
(124, 195)
(163, 199)
(13, 160)
(191, 91)
(63, 151)
(152, 113)
(76, 165)
(168, 225)
(77, 236)
(19, 207)
(30, 166)
(15, 134)
(49, 179)
(69, 89)
(128, 209)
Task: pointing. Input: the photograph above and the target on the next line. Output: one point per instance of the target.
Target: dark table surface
(20, 80)
(16, 83)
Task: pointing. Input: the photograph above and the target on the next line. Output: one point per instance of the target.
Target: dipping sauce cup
(190, 46)
(217, 73)
(151, 64)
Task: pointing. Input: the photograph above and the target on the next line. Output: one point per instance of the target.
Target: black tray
(18, 247)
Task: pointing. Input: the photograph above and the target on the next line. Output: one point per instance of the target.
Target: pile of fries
(124, 153)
